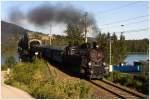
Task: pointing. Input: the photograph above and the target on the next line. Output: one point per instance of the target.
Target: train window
(73, 50)
(85, 46)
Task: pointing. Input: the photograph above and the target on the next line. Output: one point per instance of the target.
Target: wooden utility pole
(110, 54)
(85, 26)
(50, 39)
(122, 29)
(110, 41)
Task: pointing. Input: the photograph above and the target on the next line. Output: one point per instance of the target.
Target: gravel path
(9, 92)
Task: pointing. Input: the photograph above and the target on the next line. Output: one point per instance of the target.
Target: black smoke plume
(16, 16)
(46, 14)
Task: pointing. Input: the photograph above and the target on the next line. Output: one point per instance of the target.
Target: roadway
(9, 92)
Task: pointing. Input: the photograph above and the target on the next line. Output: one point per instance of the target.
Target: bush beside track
(42, 83)
(139, 82)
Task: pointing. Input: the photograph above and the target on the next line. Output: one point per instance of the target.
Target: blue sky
(112, 13)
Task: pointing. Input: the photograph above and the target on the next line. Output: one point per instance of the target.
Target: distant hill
(9, 31)
(10, 34)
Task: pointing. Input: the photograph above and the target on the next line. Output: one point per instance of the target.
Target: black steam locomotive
(85, 59)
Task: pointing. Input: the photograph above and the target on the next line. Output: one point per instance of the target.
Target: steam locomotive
(85, 59)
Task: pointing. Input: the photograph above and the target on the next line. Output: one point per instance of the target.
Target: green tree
(59, 40)
(118, 50)
(74, 34)
(137, 45)
(103, 41)
(10, 62)
(118, 47)
(114, 37)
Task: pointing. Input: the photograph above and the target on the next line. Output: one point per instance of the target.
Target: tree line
(119, 46)
(137, 45)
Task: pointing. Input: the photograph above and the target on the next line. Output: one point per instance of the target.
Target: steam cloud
(16, 16)
(45, 14)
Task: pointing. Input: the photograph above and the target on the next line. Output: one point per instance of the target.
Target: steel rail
(140, 95)
(118, 91)
(100, 86)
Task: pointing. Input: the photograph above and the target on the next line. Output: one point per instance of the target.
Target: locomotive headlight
(36, 53)
(104, 64)
(97, 46)
(89, 63)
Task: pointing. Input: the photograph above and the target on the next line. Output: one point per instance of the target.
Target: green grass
(138, 82)
(35, 79)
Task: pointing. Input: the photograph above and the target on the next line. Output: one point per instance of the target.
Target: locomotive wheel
(100, 78)
(82, 73)
(89, 77)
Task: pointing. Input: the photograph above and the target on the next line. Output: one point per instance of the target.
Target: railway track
(117, 90)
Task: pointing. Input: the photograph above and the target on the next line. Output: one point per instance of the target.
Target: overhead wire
(134, 30)
(127, 20)
(133, 18)
(118, 8)
(130, 23)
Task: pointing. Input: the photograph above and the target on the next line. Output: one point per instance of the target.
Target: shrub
(138, 81)
(10, 61)
(35, 79)
(3, 67)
